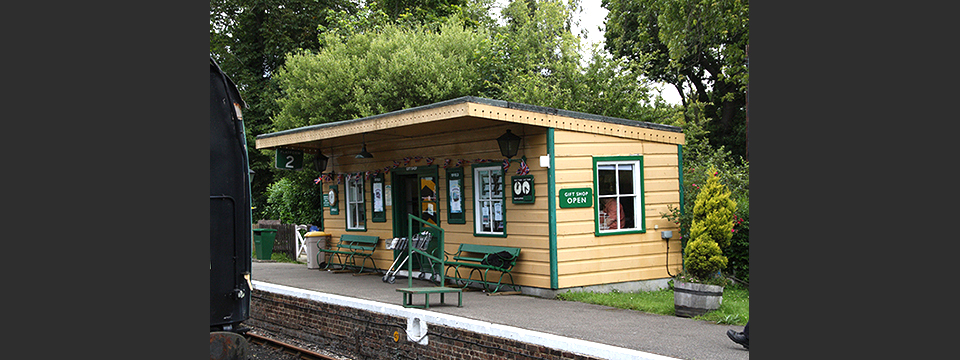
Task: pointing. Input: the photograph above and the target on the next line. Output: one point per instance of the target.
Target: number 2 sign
(288, 159)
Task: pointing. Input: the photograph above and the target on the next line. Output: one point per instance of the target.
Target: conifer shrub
(711, 227)
(713, 212)
(704, 258)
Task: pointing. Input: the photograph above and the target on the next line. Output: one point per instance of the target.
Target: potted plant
(698, 288)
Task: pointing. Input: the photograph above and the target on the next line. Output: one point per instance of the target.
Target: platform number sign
(523, 192)
(288, 159)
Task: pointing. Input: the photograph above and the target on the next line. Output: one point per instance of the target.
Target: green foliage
(539, 61)
(698, 45)
(294, 199)
(249, 40)
(711, 227)
(370, 64)
(713, 212)
(698, 154)
(703, 258)
(371, 73)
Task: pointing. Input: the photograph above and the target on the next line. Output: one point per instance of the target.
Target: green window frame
(619, 180)
(355, 204)
(489, 201)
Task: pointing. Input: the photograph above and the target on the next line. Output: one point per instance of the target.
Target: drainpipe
(552, 205)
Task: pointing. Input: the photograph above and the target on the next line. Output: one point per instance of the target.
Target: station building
(443, 163)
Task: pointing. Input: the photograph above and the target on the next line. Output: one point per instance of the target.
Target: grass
(278, 257)
(734, 309)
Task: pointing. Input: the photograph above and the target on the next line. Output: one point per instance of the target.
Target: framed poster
(522, 189)
(455, 202)
(379, 198)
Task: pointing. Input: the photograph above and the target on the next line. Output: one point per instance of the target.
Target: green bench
(479, 258)
(350, 247)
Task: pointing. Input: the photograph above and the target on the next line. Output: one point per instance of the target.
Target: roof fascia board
(477, 107)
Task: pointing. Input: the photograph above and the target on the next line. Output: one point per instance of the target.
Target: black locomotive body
(230, 218)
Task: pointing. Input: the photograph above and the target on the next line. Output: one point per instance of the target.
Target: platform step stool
(426, 291)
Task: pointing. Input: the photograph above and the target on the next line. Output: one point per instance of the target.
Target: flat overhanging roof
(478, 111)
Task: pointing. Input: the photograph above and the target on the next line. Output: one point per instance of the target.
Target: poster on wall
(379, 208)
(455, 214)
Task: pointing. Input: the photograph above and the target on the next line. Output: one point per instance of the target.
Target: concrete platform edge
(573, 345)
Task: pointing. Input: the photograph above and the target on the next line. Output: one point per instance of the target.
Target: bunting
(447, 163)
(524, 169)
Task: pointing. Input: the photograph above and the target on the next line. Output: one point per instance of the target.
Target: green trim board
(680, 176)
(639, 205)
(552, 205)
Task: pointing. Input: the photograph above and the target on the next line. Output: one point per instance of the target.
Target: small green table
(426, 291)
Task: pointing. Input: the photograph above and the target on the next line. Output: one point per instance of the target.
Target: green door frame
(400, 219)
(399, 216)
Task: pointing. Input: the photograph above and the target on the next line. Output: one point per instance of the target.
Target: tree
(371, 73)
(695, 43)
(250, 39)
(541, 63)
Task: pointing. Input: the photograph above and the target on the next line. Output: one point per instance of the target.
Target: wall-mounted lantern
(509, 144)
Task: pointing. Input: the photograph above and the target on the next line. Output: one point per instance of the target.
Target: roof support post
(552, 205)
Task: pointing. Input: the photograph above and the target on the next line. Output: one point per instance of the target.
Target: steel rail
(288, 348)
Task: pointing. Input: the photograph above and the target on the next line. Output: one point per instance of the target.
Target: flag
(524, 169)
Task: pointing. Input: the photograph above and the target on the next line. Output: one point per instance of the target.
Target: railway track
(280, 350)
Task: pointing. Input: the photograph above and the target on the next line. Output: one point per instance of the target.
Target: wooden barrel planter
(690, 299)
